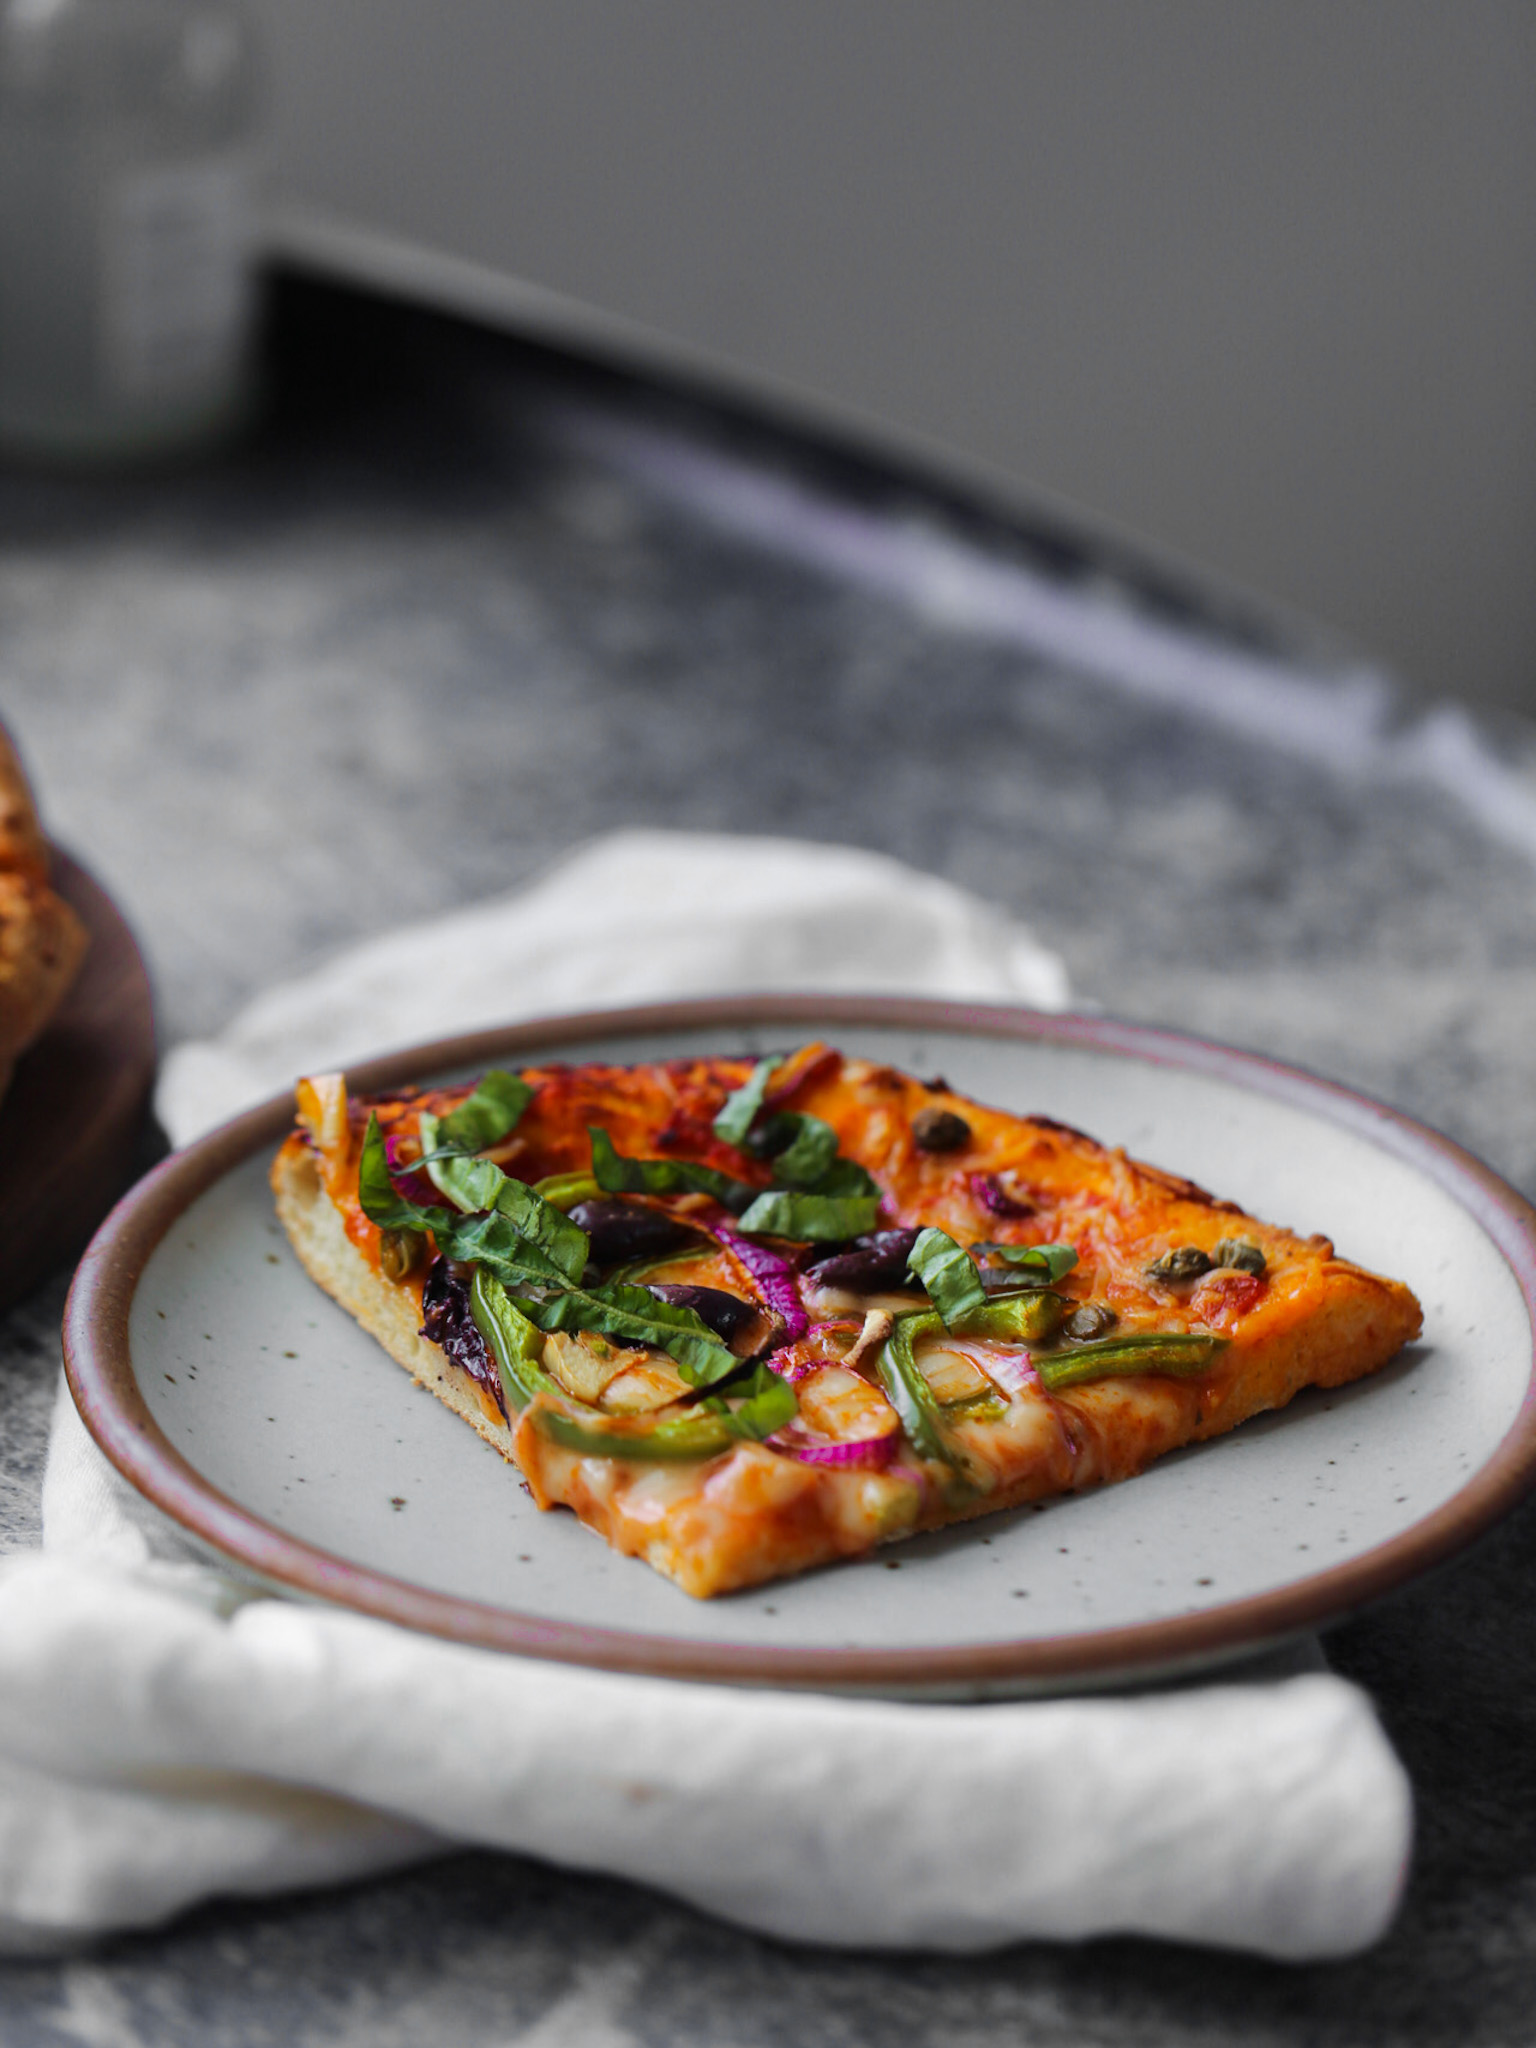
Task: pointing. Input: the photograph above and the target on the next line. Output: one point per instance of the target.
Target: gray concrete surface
(1259, 281)
(416, 638)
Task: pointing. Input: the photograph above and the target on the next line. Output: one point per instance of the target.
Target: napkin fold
(167, 1733)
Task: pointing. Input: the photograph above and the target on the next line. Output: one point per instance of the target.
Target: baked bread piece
(41, 938)
(884, 1307)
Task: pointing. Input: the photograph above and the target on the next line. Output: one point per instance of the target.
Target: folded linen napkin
(166, 1734)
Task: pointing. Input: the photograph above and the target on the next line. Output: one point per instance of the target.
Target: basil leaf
(476, 1184)
(489, 1114)
(736, 1118)
(495, 1241)
(380, 1200)
(1050, 1261)
(769, 1405)
(845, 1177)
(811, 1217)
(616, 1175)
(950, 1276)
(638, 1317)
(808, 1155)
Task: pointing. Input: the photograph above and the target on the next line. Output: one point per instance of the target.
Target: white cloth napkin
(166, 1734)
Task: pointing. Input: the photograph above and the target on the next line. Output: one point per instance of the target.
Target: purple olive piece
(726, 1314)
(447, 1322)
(939, 1130)
(870, 1265)
(620, 1231)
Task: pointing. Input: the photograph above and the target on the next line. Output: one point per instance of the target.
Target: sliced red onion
(775, 1277)
(995, 1198)
(1014, 1371)
(413, 1185)
(864, 1452)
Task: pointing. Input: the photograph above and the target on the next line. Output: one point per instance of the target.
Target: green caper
(400, 1253)
(1089, 1321)
(1185, 1262)
(1241, 1253)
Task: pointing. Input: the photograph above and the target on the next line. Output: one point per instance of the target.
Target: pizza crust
(387, 1311)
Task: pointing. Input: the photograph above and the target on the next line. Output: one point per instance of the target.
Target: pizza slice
(748, 1318)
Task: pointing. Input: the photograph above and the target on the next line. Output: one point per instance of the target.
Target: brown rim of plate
(101, 1378)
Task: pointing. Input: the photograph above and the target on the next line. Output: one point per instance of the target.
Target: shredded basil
(950, 1276)
(616, 1175)
(770, 1403)
(381, 1202)
(741, 1108)
(636, 1316)
(814, 1218)
(1049, 1261)
(808, 1155)
(479, 1184)
(488, 1115)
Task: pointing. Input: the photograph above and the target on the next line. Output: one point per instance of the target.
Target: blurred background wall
(1255, 279)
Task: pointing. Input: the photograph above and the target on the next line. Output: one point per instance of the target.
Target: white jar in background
(125, 225)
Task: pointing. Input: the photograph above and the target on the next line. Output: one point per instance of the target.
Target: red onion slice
(864, 1452)
(413, 1185)
(776, 1279)
(1014, 1371)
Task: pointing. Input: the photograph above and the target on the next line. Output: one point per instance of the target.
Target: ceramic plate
(257, 1415)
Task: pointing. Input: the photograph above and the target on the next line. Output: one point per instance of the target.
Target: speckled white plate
(256, 1413)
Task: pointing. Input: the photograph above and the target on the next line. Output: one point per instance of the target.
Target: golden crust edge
(388, 1313)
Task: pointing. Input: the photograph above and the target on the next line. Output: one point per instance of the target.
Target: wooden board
(71, 1118)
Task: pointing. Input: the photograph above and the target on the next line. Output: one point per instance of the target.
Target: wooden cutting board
(71, 1118)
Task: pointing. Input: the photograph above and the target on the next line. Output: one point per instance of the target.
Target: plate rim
(99, 1369)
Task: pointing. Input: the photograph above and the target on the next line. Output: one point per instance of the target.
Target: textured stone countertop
(457, 606)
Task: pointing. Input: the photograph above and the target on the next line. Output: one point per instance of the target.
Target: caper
(1185, 1262)
(400, 1253)
(1241, 1253)
(1091, 1320)
(939, 1130)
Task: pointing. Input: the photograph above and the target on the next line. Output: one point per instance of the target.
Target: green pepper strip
(1028, 1317)
(1183, 1356)
(565, 1190)
(922, 1417)
(515, 1344)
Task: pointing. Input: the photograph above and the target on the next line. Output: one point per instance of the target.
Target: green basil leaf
(377, 1195)
(636, 1316)
(616, 1175)
(808, 1155)
(736, 1118)
(950, 1276)
(477, 1184)
(770, 1403)
(489, 1114)
(1050, 1261)
(845, 1178)
(814, 1218)
(493, 1240)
